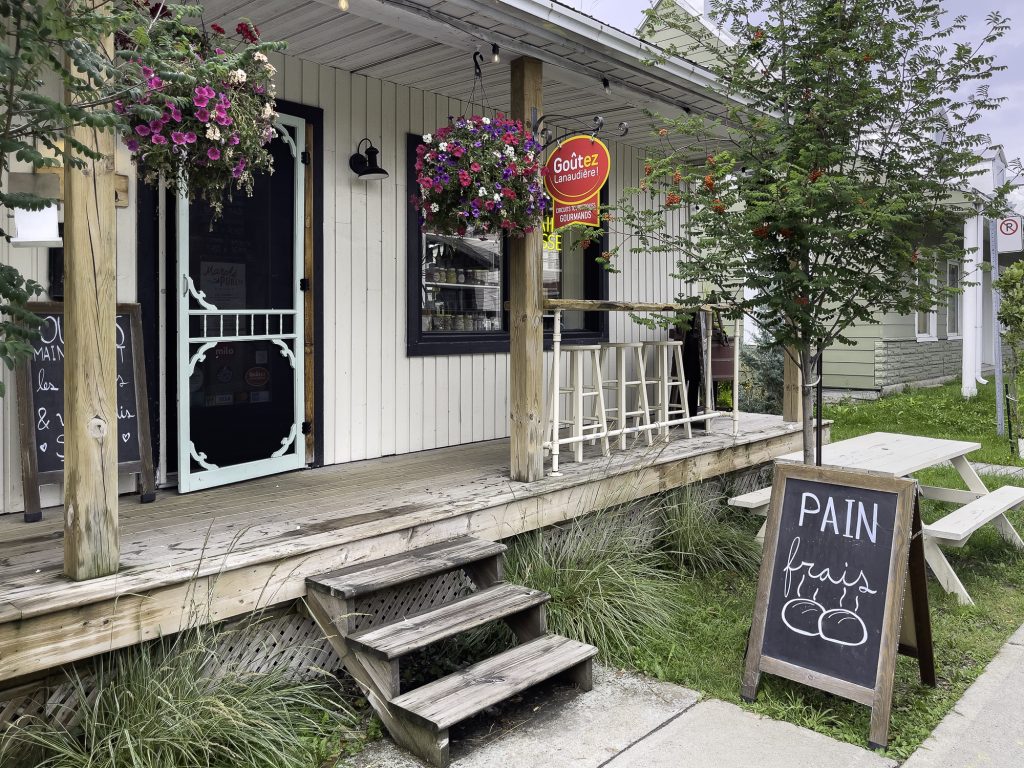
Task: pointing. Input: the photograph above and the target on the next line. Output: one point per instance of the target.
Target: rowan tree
(834, 181)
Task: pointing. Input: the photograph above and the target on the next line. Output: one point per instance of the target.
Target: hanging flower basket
(477, 176)
(206, 115)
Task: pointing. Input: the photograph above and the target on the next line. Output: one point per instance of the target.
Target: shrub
(605, 584)
(156, 706)
(698, 536)
(761, 382)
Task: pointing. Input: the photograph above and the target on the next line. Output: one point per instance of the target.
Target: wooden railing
(557, 306)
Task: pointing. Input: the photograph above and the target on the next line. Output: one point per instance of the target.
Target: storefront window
(461, 285)
(458, 287)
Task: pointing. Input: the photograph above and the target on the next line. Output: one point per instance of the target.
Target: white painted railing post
(556, 385)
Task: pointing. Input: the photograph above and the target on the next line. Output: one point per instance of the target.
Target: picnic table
(902, 455)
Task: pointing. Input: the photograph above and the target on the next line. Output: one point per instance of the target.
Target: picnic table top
(890, 452)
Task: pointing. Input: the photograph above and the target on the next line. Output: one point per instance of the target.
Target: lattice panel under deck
(397, 603)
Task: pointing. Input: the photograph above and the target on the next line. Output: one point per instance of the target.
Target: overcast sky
(1004, 125)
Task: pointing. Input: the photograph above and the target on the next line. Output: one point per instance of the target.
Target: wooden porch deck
(225, 552)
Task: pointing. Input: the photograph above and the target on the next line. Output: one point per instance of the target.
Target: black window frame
(437, 343)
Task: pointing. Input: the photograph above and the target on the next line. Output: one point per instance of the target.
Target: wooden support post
(526, 394)
(91, 546)
(791, 382)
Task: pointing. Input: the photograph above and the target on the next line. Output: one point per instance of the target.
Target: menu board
(831, 587)
(41, 402)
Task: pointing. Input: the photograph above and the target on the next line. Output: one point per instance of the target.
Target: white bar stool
(620, 413)
(582, 426)
(665, 354)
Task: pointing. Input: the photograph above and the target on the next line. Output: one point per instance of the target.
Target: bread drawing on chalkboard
(804, 614)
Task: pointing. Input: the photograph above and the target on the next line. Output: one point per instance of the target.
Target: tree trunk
(807, 399)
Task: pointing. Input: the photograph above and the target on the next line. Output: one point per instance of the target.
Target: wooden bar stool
(669, 379)
(582, 397)
(620, 413)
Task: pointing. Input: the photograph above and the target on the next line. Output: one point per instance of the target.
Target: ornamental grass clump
(605, 584)
(157, 706)
(478, 175)
(699, 538)
(206, 115)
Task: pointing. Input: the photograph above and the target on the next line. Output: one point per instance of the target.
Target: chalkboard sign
(831, 586)
(41, 401)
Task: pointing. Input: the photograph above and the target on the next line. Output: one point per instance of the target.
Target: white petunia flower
(268, 112)
(482, 191)
(510, 150)
(443, 146)
(237, 77)
(427, 138)
(260, 57)
(497, 197)
(434, 207)
(486, 120)
(213, 133)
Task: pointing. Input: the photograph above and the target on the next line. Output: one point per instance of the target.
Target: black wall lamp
(365, 166)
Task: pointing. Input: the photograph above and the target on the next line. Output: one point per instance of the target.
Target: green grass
(706, 641)
(932, 412)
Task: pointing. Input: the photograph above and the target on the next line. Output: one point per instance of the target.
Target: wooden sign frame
(879, 697)
(31, 477)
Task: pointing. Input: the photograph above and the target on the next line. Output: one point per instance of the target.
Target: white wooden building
(384, 71)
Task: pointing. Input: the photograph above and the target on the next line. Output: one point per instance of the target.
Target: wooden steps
(412, 604)
(420, 630)
(454, 698)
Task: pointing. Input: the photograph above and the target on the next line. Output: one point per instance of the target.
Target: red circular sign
(1008, 226)
(576, 170)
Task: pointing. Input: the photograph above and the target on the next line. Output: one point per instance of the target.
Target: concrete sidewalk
(629, 721)
(986, 727)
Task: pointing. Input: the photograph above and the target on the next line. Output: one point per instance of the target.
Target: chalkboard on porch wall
(833, 579)
(40, 391)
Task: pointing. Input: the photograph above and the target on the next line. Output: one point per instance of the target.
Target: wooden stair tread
(355, 580)
(420, 630)
(962, 522)
(454, 698)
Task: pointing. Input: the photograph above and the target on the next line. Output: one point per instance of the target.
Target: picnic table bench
(902, 455)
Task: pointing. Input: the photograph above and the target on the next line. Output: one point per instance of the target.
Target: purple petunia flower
(224, 120)
(213, 153)
(190, 138)
(142, 129)
(132, 144)
(178, 137)
(233, 139)
(155, 125)
(203, 115)
(159, 138)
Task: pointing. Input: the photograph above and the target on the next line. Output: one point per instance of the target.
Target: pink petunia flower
(213, 153)
(233, 139)
(190, 138)
(178, 137)
(159, 138)
(142, 129)
(203, 115)
(155, 125)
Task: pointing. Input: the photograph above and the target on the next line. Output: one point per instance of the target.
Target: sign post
(830, 596)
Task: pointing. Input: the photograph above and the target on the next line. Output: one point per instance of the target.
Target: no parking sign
(1011, 238)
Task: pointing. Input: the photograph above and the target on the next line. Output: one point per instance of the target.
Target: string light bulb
(343, 6)
(607, 86)
(495, 53)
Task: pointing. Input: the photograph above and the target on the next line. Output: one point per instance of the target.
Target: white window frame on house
(955, 303)
(932, 323)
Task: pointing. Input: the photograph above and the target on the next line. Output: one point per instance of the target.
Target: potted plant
(1011, 317)
(479, 175)
(204, 120)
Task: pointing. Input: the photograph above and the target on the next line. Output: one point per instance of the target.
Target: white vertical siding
(377, 401)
